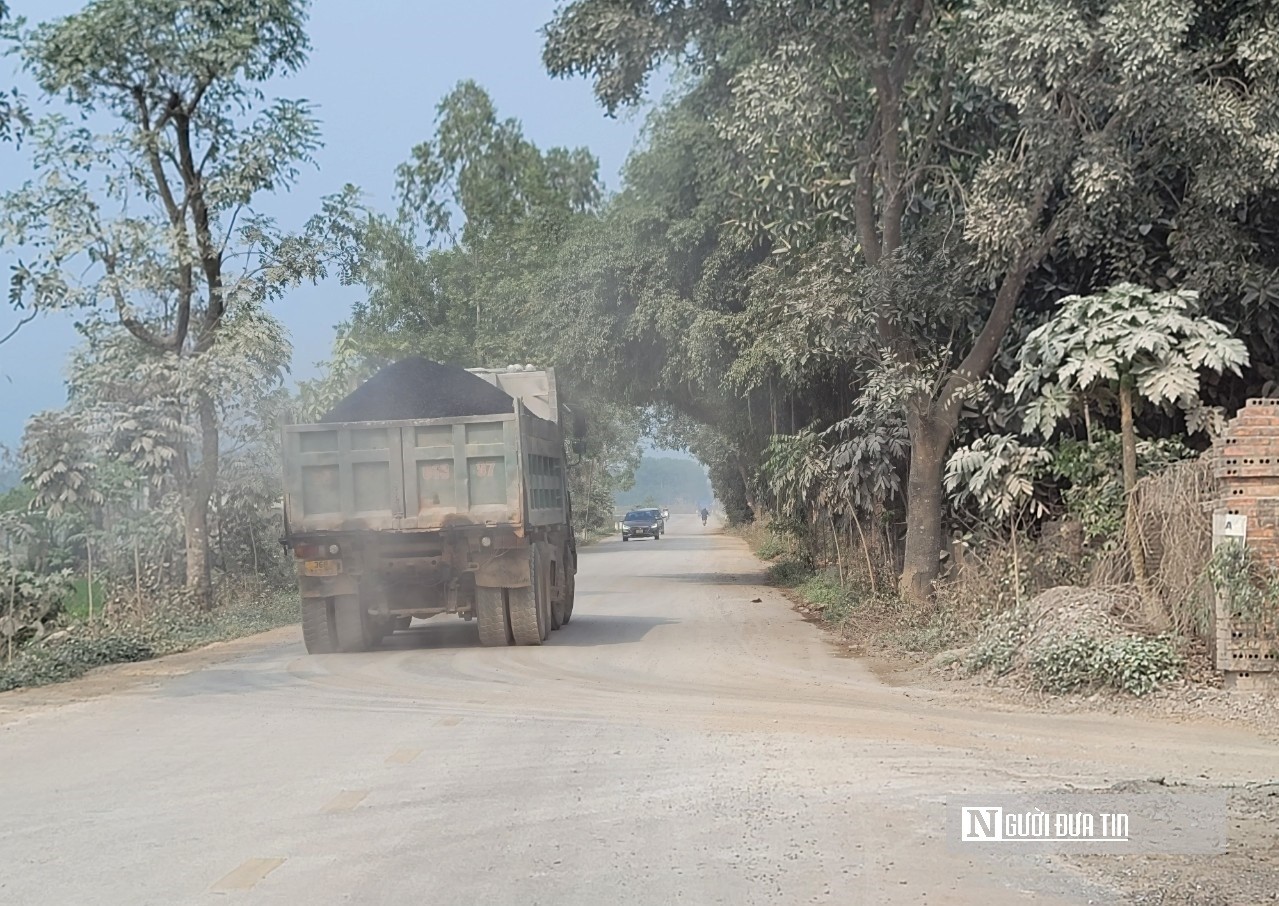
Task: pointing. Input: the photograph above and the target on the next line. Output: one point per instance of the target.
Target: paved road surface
(679, 742)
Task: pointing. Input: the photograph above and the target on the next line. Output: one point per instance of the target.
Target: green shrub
(1093, 470)
(789, 573)
(996, 646)
(77, 602)
(931, 632)
(39, 665)
(1249, 587)
(170, 627)
(772, 547)
(30, 602)
(1078, 662)
(826, 593)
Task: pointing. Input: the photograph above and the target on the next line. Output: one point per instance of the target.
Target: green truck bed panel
(424, 475)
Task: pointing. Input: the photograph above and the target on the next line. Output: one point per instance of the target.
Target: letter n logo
(978, 824)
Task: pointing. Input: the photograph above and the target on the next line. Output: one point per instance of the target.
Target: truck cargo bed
(425, 474)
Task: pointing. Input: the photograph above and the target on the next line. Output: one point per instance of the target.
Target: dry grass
(993, 578)
(1173, 509)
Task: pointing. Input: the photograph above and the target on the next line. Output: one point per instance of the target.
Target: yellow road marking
(247, 875)
(449, 722)
(403, 756)
(346, 800)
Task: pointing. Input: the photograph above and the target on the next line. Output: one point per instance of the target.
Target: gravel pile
(1098, 613)
(417, 388)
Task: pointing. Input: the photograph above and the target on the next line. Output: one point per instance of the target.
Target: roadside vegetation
(951, 297)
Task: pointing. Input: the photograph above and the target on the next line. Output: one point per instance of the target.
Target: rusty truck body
(390, 520)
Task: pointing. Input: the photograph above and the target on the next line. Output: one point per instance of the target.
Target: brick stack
(1247, 471)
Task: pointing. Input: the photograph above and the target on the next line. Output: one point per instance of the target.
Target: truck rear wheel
(351, 624)
(526, 615)
(317, 626)
(570, 588)
(546, 594)
(556, 596)
(529, 606)
(490, 610)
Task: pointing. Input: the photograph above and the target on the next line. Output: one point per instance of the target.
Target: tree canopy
(855, 239)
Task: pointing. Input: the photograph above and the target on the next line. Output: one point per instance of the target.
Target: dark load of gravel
(419, 388)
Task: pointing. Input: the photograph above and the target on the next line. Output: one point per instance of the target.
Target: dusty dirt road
(679, 742)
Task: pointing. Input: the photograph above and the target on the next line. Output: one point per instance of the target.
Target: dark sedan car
(641, 524)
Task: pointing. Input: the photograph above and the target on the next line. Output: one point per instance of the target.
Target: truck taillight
(316, 551)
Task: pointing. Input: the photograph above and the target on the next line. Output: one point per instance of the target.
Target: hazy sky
(377, 70)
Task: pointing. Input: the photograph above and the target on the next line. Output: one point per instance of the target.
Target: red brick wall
(1247, 470)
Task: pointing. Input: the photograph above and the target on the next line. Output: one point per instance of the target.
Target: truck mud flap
(506, 569)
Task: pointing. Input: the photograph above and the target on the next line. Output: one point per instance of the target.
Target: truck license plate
(322, 567)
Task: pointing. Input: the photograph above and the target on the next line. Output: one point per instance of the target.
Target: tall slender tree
(150, 222)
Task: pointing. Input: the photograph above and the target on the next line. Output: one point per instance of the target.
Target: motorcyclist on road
(704, 514)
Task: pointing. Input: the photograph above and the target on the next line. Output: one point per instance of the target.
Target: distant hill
(9, 479)
(678, 484)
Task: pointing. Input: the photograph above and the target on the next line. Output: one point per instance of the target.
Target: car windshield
(638, 516)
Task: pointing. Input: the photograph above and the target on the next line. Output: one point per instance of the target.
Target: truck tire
(490, 611)
(351, 624)
(570, 588)
(526, 615)
(317, 626)
(527, 606)
(546, 595)
(557, 597)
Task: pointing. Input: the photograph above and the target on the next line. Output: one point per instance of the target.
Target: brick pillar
(1247, 470)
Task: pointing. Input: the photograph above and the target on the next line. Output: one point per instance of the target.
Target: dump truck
(469, 514)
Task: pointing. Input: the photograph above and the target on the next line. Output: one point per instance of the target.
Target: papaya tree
(1128, 344)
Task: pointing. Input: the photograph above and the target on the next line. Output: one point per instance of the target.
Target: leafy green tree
(60, 465)
(12, 113)
(1092, 469)
(1132, 343)
(865, 134)
(998, 474)
(482, 169)
(461, 277)
(493, 210)
(150, 223)
(652, 300)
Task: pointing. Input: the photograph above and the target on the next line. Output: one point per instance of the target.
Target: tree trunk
(746, 489)
(932, 423)
(137, 577)
(253, 543)
(89, 589)
(839, 557)
(1132, 527)
(870, 565)
(199, 577)
(196, 510)
(929, 439)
